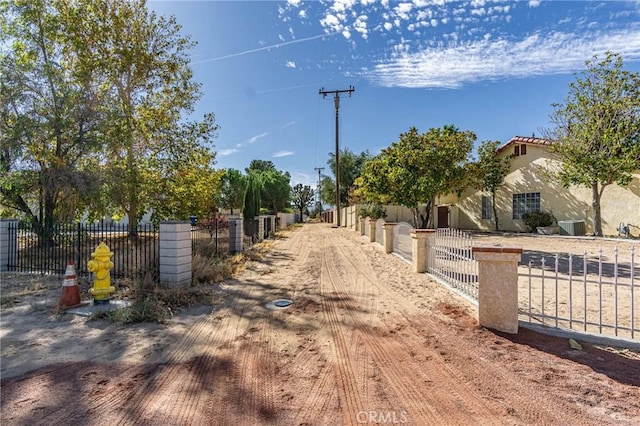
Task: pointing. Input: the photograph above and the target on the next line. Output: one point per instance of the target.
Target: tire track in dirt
(530, 407)
(402, 378)
(342, 361)
(254, 366)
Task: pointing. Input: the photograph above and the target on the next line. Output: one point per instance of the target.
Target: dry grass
(151, 302)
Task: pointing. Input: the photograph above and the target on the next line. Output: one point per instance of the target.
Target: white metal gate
(594, 294)
(450, 259)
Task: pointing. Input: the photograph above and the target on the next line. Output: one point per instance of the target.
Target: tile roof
(525, 140)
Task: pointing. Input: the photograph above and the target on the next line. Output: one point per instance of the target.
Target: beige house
(528, 187)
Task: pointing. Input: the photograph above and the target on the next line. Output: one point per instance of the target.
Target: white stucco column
(8, 243)
(361, 220)
(387, 228)
(419, 238)
(372, 230)
(175, 253)
(498, 287)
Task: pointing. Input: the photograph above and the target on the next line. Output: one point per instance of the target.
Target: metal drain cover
(280, 304)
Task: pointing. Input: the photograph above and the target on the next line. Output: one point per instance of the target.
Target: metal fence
(450, 259)
(211, 237)
(402, 240)
(597, 295)
(31, 251)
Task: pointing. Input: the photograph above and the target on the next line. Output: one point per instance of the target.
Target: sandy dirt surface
(365, 342)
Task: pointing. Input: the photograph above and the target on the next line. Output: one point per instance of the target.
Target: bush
(533, 220)
(374, 211)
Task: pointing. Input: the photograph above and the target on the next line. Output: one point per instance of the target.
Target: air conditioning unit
(572, 227)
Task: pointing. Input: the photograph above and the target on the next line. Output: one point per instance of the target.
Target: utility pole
(336, 102)
(319, 169)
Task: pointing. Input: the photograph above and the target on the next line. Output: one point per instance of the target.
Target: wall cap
(496, 249)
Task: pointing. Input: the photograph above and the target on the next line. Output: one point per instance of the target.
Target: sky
(493, 67)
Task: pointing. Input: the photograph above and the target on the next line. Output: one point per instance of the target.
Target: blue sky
(493, 67)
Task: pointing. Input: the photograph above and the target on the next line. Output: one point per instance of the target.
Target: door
(443, 216)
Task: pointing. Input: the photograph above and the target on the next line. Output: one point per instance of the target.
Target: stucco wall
(530, 174)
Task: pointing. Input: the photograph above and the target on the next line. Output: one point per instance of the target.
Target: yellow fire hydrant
(101, 264)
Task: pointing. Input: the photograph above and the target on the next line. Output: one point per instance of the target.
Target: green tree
(187, 179)
(260, 166)
(232, 192)
(351, 165)
(302, 197)
(252, 198)
(144, 60)
(275, 188)
(93, 99)
(490, 170)
(415, 169)
(49, 117)
(596, 134)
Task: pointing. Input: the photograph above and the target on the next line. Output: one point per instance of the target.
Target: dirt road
(365, 342)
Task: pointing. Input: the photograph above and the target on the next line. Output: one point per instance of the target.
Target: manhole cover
(280, 304)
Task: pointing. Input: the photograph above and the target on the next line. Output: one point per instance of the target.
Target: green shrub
(374, 211)
(533, 220)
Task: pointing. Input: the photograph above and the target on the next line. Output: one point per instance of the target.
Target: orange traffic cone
(70, 292)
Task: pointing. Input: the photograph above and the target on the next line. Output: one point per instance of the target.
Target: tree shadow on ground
(612, 363)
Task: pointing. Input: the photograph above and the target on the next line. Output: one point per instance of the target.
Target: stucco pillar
(175, 253)
(372, 230)
(261, 227)
(361, 220)
(236, 232)
(419, 239)
(8, 243)
(387, 228)
(498, 287)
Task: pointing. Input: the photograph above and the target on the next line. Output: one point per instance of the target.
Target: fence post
(498, 287)
(387, 228)
(236, 231)
(8, 243)
(175, 253)
(260, 227)
(372, 230)
(361, 220)
(419, 238)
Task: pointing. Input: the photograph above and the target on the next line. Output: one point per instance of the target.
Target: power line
(336, 103)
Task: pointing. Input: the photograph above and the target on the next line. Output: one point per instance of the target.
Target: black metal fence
(29, 251)
(210, 237)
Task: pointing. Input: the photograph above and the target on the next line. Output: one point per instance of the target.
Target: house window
(486, 207)
(525, 203)
(519, 150)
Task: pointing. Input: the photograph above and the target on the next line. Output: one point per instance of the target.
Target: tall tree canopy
(412, 171)
(275, 189)
(490, 171)
(597, 129)
(50, 118)
(94, 100)
(302, 197)
(232, 192)
(351, 165)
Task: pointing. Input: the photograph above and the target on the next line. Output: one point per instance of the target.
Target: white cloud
(491, 59)
(225, 152)
(283, 154)
(290, 64)
(534, 3)
(254, 139)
